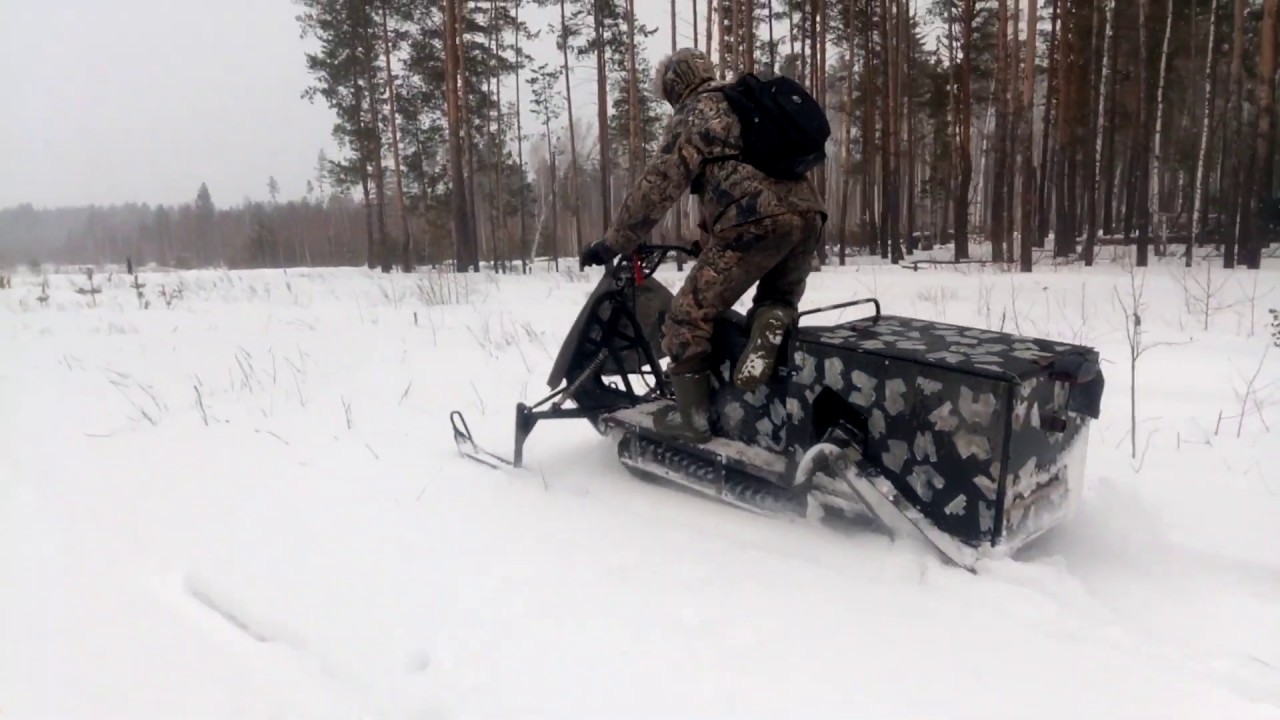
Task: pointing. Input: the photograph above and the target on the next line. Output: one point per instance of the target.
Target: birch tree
(1196, 222)
(1157, 141)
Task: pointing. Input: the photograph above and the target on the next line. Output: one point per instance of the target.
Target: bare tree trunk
(735, 32)
(462, 230)
(1264, 144)
(982, 158)
(846, 174)
(791, 34)
(500, 244)
(679, 213)
(1187, 193)
(468, 135)
(709, 27)
(673, 24)
(379, 172)
(722, 28)
(1157, 155)
(1235, 131)
(1142, 166)
(555, 202)
(573, 139)
(1109, 148)
(886, 134)
(911, 135)
(694, 10)
(773, 53)
(870, 229)
(1270, 163)
(1047, 169)
(524, 200)
(950, 126)
(602, 117)
(362, 158)
(820, 92)
(1098, 199)
(996, 222)
(1027, 144)
(487, 223)
(406, 248)
(1010, 139)
(1092, 124)
(419, 173)
(965, 120)
(469, 147)
(635, 150)
(1204, 138)
(1069, 87)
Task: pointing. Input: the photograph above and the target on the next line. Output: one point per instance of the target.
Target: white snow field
(249, 504)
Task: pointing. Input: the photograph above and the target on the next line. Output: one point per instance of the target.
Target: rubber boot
(758, 360)
(688, 419)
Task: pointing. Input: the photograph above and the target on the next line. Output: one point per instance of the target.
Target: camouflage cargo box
(985, 432)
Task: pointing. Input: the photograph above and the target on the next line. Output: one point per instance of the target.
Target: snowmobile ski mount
(972, 439)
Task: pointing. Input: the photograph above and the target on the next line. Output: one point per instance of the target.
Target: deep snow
(250, 505)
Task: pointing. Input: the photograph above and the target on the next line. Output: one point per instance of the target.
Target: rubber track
(708, 477)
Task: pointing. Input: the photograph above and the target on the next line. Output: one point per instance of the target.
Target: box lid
(988, 353)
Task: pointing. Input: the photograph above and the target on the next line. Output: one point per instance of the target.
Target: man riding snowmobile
(761, 226)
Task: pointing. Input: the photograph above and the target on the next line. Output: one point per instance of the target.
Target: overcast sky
(109, 101)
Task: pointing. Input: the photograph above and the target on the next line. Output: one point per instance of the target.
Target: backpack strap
(721, 88)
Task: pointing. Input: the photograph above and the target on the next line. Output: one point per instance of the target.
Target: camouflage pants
(777, 252)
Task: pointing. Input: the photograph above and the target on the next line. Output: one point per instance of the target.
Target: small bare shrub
(1202, 296)
(984, 300)
(1133, 310)
(1251, 295)
(92, 290)
(170, 296)
(1247, 397)
(137, 285)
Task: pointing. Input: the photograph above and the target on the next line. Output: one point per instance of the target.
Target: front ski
(470, 449)
(889, 506)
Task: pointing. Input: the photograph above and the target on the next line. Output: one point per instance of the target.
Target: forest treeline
(1009, 125)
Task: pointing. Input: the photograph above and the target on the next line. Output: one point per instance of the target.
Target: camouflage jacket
(731, 193)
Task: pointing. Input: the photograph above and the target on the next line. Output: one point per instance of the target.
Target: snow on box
(247, 503)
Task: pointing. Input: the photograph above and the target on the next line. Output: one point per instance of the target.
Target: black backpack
(784, 130)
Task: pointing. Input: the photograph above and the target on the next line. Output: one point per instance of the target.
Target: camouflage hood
(681, 73)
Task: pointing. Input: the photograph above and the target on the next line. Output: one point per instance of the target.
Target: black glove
(597, 253)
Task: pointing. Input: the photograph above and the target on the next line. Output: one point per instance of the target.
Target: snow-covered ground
(249, 504)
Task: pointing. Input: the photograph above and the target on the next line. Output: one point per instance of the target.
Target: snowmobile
(972, 438)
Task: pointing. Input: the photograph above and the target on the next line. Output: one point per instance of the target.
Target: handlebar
(648, 251)
(644, 261)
